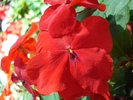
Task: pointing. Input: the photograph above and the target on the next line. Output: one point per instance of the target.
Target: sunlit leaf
(53, 96)
(117, 13)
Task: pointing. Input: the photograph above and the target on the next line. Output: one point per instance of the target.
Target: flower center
(72, 53)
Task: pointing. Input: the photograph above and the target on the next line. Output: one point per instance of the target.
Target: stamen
(70, 50)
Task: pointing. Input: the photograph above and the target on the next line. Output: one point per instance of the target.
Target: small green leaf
(79, 8)
(27, 96)
(87, 12)
(123, 78)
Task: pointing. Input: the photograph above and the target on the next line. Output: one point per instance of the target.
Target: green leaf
(24, 8)
(27, 96)
(122, 44)
(123, 79)
(53, 96)
(79, 8)
(131, 10)
(117, 13)
(20, 92)
(131, 5)
(87, 12)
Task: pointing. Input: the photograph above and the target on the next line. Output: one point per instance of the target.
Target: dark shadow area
(114, 28)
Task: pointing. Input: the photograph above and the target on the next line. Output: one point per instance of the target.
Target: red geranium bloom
(85, 3)
(19, 68)
(21, 47)
(2, 11)
(75, 64)
(14, 28)
(6, 89)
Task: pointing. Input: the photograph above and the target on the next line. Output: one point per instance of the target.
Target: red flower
(85, 3)
(75, 64)
(2, 11)
(14, 28)
(19, 68)
(21, 47)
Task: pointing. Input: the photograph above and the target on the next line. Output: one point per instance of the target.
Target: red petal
(105, 96)
(22, 75)
(55, 2)
(14, 78)
(30, 45)
(5, 64)
(31, 90)
(23, 38)
(92, 69)
(47, 43)
(44, 21)
(23, 56)
(92, 4)
(33, 28)
(58, 25)
(74, 2)
(72, 89)
(14, 51)
(101, 7)
(50, 73)
(95, 33)
(19, 68)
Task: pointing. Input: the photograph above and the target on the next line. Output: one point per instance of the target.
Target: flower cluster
(2, 11)
(70, 57)
(19, 54)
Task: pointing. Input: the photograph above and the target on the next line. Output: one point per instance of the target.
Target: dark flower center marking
(23, 82)
(72, 53)
(68, 1)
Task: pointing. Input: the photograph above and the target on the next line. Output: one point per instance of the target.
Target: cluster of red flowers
(14, 28)
(2, 11)
(19, 54)
(71, 57)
